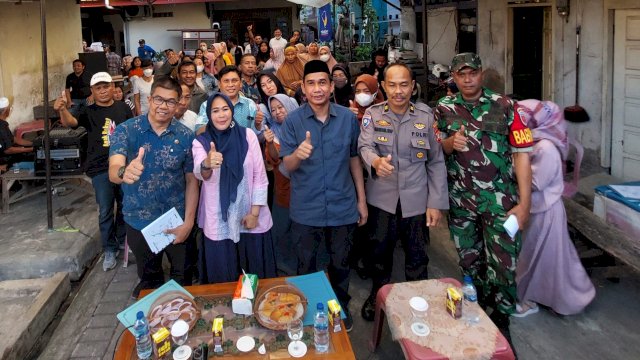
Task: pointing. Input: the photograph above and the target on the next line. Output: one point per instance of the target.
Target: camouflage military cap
(463, 60)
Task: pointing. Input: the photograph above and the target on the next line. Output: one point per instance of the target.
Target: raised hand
(460, 140)
(259, 119)
(61, 102)
(269, 136)
(214, 158)
(304, 150)
(353, 107)
(134, 170)
(383, 166)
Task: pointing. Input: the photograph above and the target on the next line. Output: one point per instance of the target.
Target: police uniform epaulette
(422, 107)
(378, 105)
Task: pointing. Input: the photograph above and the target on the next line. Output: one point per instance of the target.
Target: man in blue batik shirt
(150, 156)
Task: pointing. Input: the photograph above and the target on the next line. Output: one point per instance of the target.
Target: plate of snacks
(171, 307)
(275, 307)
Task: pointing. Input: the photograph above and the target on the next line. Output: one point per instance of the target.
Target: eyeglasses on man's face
(158, 100)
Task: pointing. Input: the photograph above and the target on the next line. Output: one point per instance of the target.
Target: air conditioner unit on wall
(136, 12)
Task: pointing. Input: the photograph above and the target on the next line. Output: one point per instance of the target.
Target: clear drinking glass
(179, 332)
(419, 307)
(295, 331)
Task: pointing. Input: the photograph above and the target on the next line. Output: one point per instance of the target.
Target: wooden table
(339, 349)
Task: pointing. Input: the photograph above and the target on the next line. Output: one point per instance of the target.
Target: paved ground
(28, 306)
(29, 250)
(607, 330)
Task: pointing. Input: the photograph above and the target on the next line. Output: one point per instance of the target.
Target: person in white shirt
(185, 116)
(278, 44)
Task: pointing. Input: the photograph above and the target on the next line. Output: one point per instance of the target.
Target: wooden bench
(22, 176)
(607, 237)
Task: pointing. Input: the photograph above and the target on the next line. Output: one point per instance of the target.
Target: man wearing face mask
(142, 88)
(407, 185)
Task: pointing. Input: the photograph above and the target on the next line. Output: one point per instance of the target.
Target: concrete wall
(493, 27)
(154, 30)
(20, 57)
(262, 4)
(442, 36)
(194, 16)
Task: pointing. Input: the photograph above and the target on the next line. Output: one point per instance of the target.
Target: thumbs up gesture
(214, 158)
(61, 102)
(353, 107)
(304, 150)
(135, 168)
(460, 140)
(259, 119)
(269, 136)
(383, 166)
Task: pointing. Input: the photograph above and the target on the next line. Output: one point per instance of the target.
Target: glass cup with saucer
(419, 307)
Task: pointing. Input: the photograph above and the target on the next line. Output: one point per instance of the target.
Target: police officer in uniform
(407, 186)
(489, 176)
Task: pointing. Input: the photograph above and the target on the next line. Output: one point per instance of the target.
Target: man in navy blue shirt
(145, 52)
(150, 156)
(319, 150)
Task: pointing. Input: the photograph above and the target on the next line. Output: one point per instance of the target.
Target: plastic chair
(571, 188)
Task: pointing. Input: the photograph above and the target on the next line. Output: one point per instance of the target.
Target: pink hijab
(332, 61)
(546, 121)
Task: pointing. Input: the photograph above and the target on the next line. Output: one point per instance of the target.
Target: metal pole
(425, 48)
(45, 96)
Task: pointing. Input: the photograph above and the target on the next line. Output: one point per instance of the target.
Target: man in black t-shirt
(77, 88)
(100, 120)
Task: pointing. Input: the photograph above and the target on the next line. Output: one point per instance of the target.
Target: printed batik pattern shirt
(166, 160)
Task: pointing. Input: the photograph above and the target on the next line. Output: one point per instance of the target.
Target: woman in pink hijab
(326, 56)
(549, 271)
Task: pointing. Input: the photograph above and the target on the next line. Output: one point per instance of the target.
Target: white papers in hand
(154, 233)
(511, 225)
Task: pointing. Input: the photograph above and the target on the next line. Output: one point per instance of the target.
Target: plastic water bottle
(469, 309)
(321, 329)
(143, 339)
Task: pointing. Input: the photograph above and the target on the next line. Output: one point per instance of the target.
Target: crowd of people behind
(280, 163)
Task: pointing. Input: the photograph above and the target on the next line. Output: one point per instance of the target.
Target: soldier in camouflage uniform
(485, 145)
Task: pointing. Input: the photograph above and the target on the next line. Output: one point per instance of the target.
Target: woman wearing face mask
(233, 209)
(292, 70)
(280, 106)
(367, 93)
(343, 91)
(326, 56)
(206, 82)
(136, 68)
(142, 88)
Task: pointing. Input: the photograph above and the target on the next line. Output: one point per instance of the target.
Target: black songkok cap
(316, 66)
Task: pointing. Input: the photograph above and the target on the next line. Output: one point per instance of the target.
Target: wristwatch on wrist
(121, 172)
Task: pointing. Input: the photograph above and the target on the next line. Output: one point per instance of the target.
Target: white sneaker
(109, 262)
(520, 313)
